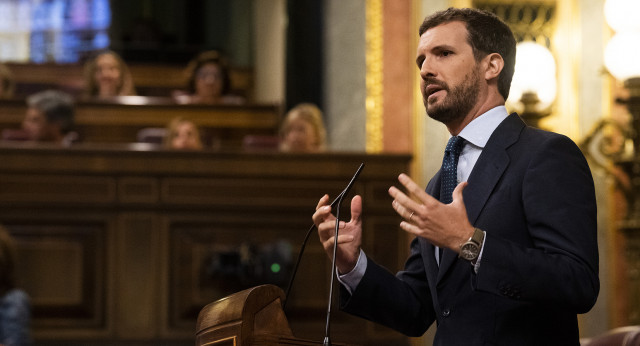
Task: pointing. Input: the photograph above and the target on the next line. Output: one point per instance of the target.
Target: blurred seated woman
(182, 134)
(7, 84)
(15, 306)
(208, 81)
(50, 118)
(303, 130)
(107, 75)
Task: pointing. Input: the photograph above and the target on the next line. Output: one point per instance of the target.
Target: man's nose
(426, 69)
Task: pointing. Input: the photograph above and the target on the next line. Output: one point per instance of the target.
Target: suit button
(446, 313)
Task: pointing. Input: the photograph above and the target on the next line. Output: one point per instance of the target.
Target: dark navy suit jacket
(533, 194)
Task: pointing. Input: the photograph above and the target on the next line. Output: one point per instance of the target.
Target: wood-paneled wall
(127, 246)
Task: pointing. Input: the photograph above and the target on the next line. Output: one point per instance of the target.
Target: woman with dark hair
(107, 75)
(208, 81)
(15, 306)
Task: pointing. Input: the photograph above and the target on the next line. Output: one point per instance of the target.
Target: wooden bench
(149, 79)
(119, 121)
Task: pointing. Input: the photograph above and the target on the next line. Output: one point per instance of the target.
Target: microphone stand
(336, 201)
(335, 204)
(327, 340)
(304, 244)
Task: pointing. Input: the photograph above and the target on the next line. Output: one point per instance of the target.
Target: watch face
(469, 251)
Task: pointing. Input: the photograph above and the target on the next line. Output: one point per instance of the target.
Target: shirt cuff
(476, 266)
(351, 279)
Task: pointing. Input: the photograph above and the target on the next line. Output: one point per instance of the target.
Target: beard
(458, 102)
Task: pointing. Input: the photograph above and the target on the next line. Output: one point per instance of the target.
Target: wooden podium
(253, 317)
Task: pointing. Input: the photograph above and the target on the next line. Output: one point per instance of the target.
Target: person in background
(15, 305)
(50, 118)
(107, 75)
(182, 134)
(208, 82)
(7, 83)
(303, 130)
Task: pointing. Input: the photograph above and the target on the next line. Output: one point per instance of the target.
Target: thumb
(457, 192)
(356, 208)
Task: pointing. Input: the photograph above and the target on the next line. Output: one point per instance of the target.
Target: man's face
(36, 126)
(450, 78)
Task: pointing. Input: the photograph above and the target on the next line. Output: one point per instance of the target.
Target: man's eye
(446, 53)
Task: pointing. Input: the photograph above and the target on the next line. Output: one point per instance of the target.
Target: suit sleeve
(402, 302)
(558, 264)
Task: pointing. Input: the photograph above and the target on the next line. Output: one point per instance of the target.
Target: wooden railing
(149, 79)
(119, 120)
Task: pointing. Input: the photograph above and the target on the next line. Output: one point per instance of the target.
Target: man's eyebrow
(442, 47)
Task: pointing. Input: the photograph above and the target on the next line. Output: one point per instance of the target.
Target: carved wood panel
(62, 264)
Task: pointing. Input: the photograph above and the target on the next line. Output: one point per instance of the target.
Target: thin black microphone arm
(335, 202)
(327, 325)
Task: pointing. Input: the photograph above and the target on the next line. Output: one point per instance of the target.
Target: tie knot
(455, 145)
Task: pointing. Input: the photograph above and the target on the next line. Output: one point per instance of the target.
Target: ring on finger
(410, 216)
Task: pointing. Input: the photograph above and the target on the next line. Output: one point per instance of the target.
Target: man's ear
(494, 65)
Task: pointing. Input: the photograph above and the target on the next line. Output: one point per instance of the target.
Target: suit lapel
(485, 175)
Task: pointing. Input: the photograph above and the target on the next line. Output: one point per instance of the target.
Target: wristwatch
(471, 249)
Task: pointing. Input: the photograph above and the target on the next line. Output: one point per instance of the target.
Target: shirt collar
(478, 131)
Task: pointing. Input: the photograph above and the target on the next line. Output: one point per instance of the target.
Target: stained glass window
(61, 31)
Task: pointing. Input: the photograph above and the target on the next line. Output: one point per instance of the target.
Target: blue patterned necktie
(450, 168)
(449, 173)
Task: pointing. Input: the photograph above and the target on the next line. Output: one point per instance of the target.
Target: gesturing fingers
(408, 213)
(322, 202)
(415, 190)
(406, 207)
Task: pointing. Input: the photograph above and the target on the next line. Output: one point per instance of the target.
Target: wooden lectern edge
(250, 317)
(251, 312)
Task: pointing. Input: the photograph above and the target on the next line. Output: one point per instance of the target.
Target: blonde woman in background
(107, 75)
(303, 130)
(182, 134)
(7, 83)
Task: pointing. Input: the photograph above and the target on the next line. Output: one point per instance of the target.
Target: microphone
(336, 202)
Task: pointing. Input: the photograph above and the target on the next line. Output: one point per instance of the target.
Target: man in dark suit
(509, 257)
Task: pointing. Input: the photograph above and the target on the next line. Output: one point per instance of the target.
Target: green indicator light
(275, 268)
